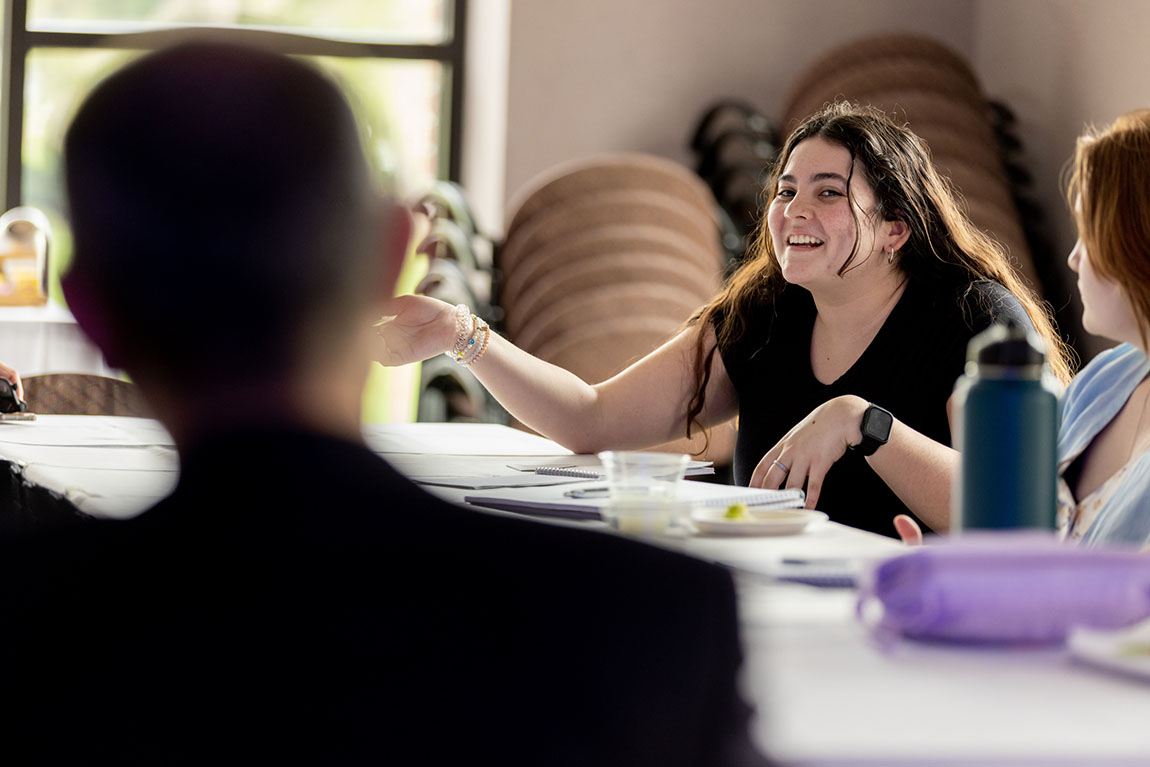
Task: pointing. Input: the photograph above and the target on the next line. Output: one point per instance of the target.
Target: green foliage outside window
(401, 101)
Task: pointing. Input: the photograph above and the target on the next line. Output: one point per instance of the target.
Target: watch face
(877, 423)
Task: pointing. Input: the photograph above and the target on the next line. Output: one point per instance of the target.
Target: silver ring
(781, 465)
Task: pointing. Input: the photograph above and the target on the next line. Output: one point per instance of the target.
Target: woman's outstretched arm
(643, 405)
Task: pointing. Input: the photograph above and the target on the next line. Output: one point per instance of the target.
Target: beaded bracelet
(464, 329)
(486, 330)
(472, 336)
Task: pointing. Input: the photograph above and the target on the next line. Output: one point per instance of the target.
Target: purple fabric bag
(1004, 588)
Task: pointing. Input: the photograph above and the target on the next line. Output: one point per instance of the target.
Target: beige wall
(598, 75)
(1062, 65)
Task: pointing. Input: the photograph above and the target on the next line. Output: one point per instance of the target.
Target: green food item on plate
(736, 511)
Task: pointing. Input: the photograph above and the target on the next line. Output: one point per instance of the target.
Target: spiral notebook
(583, 500)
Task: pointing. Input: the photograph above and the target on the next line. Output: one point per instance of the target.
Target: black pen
(822, 561)
(587, 492)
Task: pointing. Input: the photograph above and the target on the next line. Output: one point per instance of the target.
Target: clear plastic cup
(642, 491)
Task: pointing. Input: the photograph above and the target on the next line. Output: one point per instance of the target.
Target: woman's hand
(807, 452)
(421, 327)
(14, 378)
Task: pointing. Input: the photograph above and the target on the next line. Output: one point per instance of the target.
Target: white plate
(775, 522)
(1124, 650)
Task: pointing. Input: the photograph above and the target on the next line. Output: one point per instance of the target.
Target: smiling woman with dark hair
(867, 282)
(837, 344)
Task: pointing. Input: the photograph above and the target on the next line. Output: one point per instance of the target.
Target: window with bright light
(399, 60)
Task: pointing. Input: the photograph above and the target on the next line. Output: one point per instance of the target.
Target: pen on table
(586, 492)
(821, 561)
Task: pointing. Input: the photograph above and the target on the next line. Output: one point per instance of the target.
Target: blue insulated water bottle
(1007, 432)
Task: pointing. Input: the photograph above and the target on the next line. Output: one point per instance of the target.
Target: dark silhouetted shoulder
(296, 598)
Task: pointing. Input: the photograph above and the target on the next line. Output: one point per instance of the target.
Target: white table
(826, 694)
(46, 339)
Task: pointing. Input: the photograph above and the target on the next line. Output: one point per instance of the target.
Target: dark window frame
(19, 41)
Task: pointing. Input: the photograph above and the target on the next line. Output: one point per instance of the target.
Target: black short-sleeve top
(910, 368)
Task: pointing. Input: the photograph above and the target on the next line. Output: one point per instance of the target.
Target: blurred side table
(46, 339)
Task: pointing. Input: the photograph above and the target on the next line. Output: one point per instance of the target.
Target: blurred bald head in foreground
(231, 246)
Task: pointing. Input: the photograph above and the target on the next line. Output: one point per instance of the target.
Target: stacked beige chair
(603, 261)
(83, 394)
(932, 89)
(735, 144)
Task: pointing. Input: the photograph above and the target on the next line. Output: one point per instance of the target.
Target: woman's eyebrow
(816, 177)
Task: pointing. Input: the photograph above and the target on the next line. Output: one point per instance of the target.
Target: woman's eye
(831, 193)
(786, 193)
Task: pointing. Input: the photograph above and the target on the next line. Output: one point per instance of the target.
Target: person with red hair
(1104, 432)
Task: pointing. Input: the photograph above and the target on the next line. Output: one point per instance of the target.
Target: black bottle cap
(1006, 344)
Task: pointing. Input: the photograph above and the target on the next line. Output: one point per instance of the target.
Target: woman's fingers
(769, 473)
(809, 477)
(792, 474)
(908, 530)
(814, 485)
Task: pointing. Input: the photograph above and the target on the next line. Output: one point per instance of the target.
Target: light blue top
(1118, 512)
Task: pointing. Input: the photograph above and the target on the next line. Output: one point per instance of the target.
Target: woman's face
(810, 218)
(1106, 309)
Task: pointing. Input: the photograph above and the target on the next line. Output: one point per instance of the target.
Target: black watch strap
(875, 427)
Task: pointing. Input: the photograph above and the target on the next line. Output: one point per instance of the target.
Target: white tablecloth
(46, 339)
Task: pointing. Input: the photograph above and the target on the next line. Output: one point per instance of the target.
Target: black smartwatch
(876, 423)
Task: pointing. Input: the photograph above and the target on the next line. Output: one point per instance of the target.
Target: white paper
(418, 466)
(506, 480)
(456, 439)
(545, 499)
